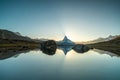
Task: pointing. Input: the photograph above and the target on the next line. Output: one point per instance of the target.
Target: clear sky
(80, 20)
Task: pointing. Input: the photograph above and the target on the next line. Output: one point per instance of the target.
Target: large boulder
(80, 48)
(49, 47)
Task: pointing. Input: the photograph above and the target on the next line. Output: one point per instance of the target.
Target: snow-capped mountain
(65, 41)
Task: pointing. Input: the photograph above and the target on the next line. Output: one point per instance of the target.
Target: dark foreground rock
(80, 48)
(49, 47)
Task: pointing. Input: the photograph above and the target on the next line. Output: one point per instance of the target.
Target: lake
(35, 65)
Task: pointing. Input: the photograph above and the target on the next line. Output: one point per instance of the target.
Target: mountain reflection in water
(106, 52)
(77, 48)
(52, 50)
(12, 53)
(48, 48)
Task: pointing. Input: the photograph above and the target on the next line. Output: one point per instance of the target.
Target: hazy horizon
(79, 20)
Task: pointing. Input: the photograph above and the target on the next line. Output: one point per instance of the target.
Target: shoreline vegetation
(6, 44)
(14, 40)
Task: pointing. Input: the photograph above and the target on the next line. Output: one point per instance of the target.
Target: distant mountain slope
(112, 45)
(5, 34)
(101, 39)
(115, 41)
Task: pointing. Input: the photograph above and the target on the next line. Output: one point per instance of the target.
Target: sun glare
(72, 35)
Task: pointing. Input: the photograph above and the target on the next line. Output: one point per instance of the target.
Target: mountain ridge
(6, 34)
(110, 37)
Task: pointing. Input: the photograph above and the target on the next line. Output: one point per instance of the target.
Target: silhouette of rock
(49, 47)
(80, 48)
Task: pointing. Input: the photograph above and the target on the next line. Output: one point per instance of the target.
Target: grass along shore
(17, 44)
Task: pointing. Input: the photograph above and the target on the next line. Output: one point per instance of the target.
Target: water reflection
(50, 47)
(51, 51)
(38, 66)
(106, 52)
(78, 48)
(10, 53)
(65, 49)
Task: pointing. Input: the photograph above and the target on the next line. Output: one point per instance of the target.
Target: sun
(76, 36)
(72, 36)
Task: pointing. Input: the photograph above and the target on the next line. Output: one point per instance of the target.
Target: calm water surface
(35, 65)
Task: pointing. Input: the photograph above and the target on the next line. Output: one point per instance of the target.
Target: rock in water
(49, 47)
(80, 48)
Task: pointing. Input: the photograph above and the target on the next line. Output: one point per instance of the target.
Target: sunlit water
(36, 65)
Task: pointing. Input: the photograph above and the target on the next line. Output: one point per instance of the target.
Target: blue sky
(80, 20)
